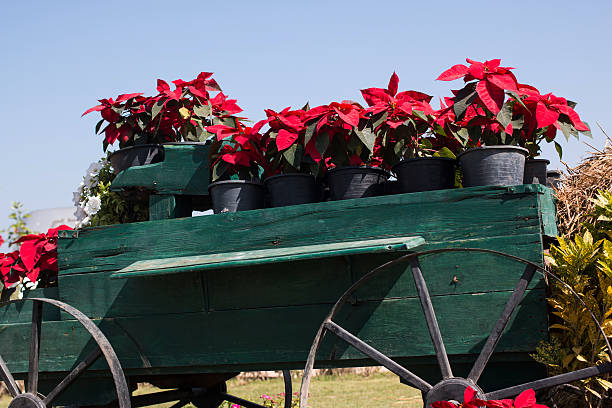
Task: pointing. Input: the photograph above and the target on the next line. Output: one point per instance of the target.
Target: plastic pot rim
(374, 169)
(496, 147)
(222, 182)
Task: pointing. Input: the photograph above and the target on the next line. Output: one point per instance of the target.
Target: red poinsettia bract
(38, 252)
(526, 399)
(492, 80)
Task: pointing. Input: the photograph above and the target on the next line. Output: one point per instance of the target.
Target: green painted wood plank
(267, 337)
(22, 312)
(547, 201)
(183, 171)
(98, 296)
(165, 206)
(308, 282)
(298, 283)
(166, 266)
(446, 216)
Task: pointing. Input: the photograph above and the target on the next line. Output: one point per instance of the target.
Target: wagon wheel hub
(451, 389)
(27, 400)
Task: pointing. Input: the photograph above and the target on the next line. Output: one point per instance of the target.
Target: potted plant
(289, 178)
(401, 123)
(340, 141)
(542, 116)
(140, 124)
(474, 115)
(502, 123)
(237, 164)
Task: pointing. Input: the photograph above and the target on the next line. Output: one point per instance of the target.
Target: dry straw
(579, 187)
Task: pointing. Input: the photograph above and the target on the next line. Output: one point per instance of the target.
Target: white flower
(93, 205)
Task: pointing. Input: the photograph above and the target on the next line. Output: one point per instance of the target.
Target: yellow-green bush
(584, 262)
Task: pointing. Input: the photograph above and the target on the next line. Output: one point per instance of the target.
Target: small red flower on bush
(526, 399)
(37, 254)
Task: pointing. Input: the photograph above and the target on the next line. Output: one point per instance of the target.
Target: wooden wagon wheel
(30, 397)
(449, 387)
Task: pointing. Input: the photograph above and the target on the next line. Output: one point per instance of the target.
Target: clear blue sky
(58, 57)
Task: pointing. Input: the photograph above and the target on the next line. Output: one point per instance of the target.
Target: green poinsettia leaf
(559, 150)
(587, 132)
(157, 107)
(322, 143)
(367, 137)
(309, 132)
(99, 125)
(202, 111)
(463, 99)
(445, 152)
(504, 116)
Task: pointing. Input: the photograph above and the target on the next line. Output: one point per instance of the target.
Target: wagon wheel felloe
(449, 387)
(30, 397)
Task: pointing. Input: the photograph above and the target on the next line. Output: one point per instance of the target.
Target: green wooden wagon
(435, 286)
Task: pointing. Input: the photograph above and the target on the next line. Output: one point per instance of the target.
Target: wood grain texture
(272, 336)
(184, 171)
(167, 266)
(439, 216)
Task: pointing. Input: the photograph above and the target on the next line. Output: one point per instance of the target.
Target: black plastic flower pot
(356, 182)
(535, 171)
(291, 189)
(553, 178)
(493, 166)
(425, 174)
(137, 155)
(236, 195)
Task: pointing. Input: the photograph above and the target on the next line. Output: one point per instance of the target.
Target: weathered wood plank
(436, 216)
(223, 260)
(277, 336)
(183, 171)
(97, 296)
(22, 312)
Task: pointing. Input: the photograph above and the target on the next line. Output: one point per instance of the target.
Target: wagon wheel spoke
(502, 322)
(430, 317)
(8, 379)
(72, 376)
(242, 402)
(32, 385)
(377, 356)
(288, 388)
(551, 381)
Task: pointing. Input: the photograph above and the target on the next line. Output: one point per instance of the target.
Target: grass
(326, 391)
(339, 391)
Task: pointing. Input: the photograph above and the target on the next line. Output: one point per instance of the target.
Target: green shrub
(584, 263)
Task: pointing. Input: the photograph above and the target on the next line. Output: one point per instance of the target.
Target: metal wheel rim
(481, 362)
(104, 348)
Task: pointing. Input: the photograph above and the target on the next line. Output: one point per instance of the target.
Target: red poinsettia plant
(526, 399)
(238, 151)
(402, 124)
(338, 135)
(35, 260)
(173, 115)
(493, 108)
(285, 142)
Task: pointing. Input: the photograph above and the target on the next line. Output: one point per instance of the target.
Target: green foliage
(584, 263)
(18, 227)
(114, 207)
